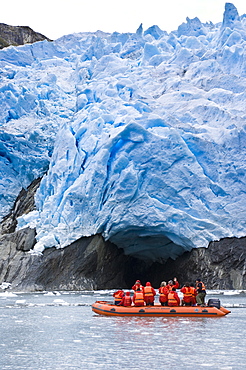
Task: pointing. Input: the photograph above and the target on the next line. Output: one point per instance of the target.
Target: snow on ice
(140, 137)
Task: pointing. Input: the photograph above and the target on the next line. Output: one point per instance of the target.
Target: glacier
(138, 136)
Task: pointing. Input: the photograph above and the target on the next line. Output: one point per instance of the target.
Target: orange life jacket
(148, 291)
(170, 287)
(187, 292)
(203, 286)
(163, 291)
(163, 294)
(139, 297)
(118, 295)
(193, 291)
(127, 301)
(171, 298)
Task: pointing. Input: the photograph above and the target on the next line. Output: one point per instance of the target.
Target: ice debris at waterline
(142, 136)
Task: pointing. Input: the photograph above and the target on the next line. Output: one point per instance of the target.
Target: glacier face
(140, 137)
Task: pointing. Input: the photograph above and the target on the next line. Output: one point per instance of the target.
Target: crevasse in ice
(140, 137)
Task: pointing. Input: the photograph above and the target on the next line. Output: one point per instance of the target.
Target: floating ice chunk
(7, 295)
(21, 302)
(60, 302)
(5, 285)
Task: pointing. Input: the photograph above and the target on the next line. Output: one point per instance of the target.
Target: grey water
(45, 331)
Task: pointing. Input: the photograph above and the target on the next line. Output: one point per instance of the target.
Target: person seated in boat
(163, 291)
(173, 284)
(149, 294)
(118, 296)
(187, 295)
(173, 298)
(137, 285)
(201, 293)
(194, 294)
(138, 297)
(126, 300)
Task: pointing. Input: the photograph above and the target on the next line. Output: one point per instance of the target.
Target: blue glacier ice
(138, 136)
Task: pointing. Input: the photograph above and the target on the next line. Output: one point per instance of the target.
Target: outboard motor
(214, 303)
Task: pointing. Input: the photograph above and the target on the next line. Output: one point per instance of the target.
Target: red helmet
(148, 284)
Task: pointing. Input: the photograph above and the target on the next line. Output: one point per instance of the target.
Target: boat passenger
(137, 285)
(173, 284)
(163, 290)
(173, 298)
(194, 294)
(138, 297)
(118, 296)
(187, 295)
(201, 292)
(149, 294)
(126, 300)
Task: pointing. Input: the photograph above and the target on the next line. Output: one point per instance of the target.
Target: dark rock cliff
(221, 266)
(18, 35)
(91, 263)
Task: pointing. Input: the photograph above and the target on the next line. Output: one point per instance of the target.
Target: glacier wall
(140, 137)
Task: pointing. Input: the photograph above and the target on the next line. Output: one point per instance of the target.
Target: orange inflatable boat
(109, 309)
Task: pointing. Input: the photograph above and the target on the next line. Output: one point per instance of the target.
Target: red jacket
(163, 290)
(118, 296)
(173, 299)
(176, 286)
(149, 293)
(187, 294)
(194, 294)
(126, 301)
(136, 286)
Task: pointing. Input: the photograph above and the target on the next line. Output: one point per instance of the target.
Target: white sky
(55, 18)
